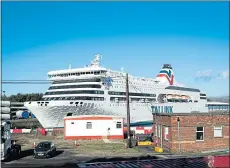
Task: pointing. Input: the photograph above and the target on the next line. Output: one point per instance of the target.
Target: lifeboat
(187, 97)
(173, 96)
(184, 97)
(169, 96)
(178, 96)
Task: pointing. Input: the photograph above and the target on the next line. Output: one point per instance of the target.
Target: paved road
(27, 160)
(65, 159)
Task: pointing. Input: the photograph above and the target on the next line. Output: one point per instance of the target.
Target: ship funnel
(166, 74)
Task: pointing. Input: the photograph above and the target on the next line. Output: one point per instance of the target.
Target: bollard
(34, 144)
(75, 143)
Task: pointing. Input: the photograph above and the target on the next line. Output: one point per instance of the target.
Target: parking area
(102, 147)
(69, 151)
(71, 154)
(66, 158)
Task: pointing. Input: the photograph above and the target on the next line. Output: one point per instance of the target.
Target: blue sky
(138, 36)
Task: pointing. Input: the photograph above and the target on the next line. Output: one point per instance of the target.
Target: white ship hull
(53, 114)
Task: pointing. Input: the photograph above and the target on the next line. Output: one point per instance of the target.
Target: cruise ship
(95, 90)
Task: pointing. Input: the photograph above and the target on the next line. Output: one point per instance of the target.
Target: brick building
(194, 133)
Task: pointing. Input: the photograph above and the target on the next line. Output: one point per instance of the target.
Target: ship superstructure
(94, 90)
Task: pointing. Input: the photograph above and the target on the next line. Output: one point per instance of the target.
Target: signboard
(162, 109)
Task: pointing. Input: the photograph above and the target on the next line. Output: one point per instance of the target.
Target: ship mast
(96, 61)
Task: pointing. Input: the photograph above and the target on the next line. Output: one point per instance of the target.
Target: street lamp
(2, 91)
(178, 131)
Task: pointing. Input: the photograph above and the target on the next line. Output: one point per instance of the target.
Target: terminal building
(193, 132)
(218, 106)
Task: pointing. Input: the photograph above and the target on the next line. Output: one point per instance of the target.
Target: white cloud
(208, 75)
(224, 74)
(205, 75)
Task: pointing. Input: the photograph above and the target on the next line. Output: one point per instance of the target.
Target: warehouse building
(93, 127)
(192, 132)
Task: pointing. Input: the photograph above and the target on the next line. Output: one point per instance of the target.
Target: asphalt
(26, 160)
(65, 159)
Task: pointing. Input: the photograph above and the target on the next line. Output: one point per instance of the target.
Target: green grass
(85, 147)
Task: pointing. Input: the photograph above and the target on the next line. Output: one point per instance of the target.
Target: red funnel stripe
(166, 76)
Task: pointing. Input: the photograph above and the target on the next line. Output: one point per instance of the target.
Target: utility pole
(128, 112)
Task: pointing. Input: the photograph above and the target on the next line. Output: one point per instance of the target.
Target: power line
(26, 83)
(25, 80)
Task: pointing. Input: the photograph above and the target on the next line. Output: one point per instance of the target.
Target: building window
(166, 133)
(217, 131)
(199, 133)
(118, 125)
(89, 125)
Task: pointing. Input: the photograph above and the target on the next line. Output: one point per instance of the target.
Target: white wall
(99, 128)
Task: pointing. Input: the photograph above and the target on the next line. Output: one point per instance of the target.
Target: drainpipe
(161, 136)
(178, 131)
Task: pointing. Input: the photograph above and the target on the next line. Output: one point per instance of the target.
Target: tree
(23, 97)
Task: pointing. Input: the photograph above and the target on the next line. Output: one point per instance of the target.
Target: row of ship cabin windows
(217, 132)
(133, 108)
(218, 107)
(132, 87)
(111, 99)
(131, 94)
(98, 92)
(85, 104)
(136, 80)
(93, 86)
(74, 98)
(76, 81)
(96, 98)
(75, 92)
(122, 99)
(94, 105)
(118, 99)
(74, 86)
(78, 74)
(131, 83)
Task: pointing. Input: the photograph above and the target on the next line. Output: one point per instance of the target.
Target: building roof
(217, 103)
(94, 117)
(195, 114)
